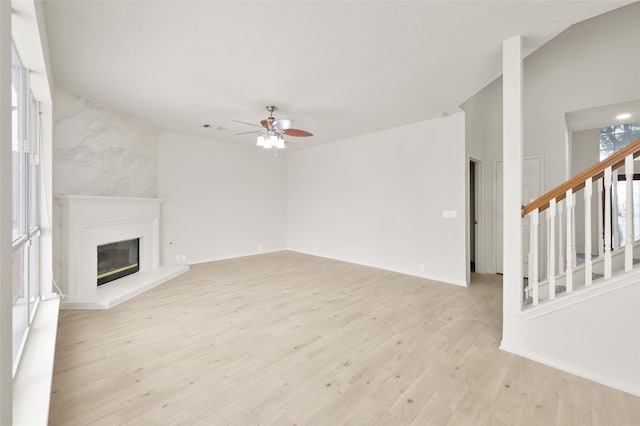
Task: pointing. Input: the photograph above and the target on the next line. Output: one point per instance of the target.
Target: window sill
(32, 382)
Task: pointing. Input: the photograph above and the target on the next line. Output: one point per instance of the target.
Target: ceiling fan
(271, 130)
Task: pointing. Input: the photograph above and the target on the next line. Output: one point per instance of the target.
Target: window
(17, 144)
(614, 138)
(621, 188)
(26, 234)
(33, 161)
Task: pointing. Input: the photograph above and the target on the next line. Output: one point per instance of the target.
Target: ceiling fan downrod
(271, 108)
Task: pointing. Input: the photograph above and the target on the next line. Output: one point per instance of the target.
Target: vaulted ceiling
(339, 69)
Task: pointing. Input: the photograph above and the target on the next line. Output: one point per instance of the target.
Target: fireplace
(88, 222)
(117, 260)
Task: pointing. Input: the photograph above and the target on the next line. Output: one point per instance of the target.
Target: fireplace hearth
(117, 260)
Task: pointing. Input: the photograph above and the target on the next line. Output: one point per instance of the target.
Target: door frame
(481, 227)
(497, 208)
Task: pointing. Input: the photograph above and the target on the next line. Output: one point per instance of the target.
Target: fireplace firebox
(117, 260)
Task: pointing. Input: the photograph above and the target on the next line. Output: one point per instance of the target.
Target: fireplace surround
(87, 222)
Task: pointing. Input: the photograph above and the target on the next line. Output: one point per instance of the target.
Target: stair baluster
(574, 257)
(588, 267)
(600, 184)
(533, 255)
(561, 263)
(607, 223)
(551, 252)
(569, 271)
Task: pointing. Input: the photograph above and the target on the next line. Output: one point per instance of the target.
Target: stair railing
(558, 207)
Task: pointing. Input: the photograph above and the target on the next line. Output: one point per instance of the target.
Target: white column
(6, 258)
(512, 155)
(607, 223)
(569, 270)
(588, 267)
(628, 231)
(551, 253)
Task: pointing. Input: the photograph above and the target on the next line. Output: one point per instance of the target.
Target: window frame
(25, 200)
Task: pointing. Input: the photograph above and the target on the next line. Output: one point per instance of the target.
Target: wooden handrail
(576, 183)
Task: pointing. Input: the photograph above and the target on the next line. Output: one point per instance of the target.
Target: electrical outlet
(259, 247)
(421, 267)
(449, 214)
(315, 249)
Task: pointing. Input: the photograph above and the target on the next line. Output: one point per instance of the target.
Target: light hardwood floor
(285, 338)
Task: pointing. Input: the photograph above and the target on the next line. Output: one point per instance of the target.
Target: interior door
(531, 189)
(472, 215)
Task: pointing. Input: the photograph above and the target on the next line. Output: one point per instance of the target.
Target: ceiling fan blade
(283, 123)
(244, 122)
(247, 133)
(297, 132)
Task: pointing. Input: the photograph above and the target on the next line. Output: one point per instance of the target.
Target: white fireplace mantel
(90, 221)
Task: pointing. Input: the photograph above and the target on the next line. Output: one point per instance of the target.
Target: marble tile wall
(100, 151)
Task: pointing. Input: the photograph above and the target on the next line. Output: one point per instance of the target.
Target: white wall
(483, 140)
(597, 338)
(587, 66)
(585, 152)
(378, 199)
(222, 200)
(100, 151)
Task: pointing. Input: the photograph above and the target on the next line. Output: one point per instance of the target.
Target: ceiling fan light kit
(267, 140)
(272, 131)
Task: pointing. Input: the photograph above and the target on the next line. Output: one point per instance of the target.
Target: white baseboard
(611, 382)
(446, 280)
(233, 256)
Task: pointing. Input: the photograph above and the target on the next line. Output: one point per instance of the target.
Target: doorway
(473, 221)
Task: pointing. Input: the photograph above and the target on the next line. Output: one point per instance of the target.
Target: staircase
(578, 309)
(556, 267)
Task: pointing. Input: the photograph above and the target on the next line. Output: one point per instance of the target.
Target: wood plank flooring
(290, 339)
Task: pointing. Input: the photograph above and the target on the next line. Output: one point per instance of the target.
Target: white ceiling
(595, 118)
(339, 69)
